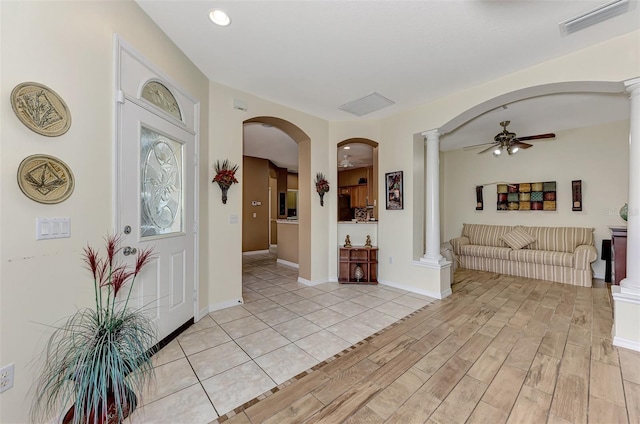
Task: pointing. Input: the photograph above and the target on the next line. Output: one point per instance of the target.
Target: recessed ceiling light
(347, 147)
(219, 17)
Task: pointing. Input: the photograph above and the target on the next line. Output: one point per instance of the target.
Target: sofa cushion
(560, 239)
(486, 235)
(543, 257)
(517, 238)
(490, 252)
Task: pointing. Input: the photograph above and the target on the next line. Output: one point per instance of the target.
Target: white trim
(432, 265)
(626, 298)
(311, 283)
(201, 314)
(632, 81)
(226, 304)
(287, 263)
(193, 127)
(598, 276)
(255, 252)
(333, 279)
(626, 343)
(412, 289)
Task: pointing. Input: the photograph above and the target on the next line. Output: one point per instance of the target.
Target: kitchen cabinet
(359, 196)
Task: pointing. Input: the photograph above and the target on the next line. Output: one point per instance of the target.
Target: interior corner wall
(255, 218)
(596, 155)
(67, 46)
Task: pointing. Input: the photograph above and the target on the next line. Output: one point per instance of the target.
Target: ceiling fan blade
(477, 145)
(535, 137)
(521, 145)
(492, 147)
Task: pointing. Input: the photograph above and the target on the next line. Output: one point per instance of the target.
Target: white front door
(156, 189)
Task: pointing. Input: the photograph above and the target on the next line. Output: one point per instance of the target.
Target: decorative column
(626, 297)
(432, 231)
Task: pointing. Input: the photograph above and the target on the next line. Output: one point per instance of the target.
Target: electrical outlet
(6, 378)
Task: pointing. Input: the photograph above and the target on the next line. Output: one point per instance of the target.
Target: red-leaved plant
(100, 358)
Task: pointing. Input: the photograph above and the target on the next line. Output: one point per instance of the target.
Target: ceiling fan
(508, 141)
(346, 163)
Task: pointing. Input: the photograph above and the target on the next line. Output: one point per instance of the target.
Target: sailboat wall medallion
(45, 179)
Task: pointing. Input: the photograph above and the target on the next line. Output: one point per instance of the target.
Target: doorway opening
(276, 204)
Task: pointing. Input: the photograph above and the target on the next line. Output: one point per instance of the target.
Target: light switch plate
(53, 228)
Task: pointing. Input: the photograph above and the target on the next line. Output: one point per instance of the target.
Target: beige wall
(255, 219)
(67, 46)
(596, 155)
(288, 241)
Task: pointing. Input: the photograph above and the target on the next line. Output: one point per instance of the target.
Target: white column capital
(632, 85)
(432, 135)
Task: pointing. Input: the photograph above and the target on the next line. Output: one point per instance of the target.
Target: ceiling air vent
(593, 16)
(367, 104)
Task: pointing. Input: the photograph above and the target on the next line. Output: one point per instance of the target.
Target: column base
(626, 315)
(435, 261)
(629, 286)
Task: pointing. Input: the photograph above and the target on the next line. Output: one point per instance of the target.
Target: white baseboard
(311, 283)
(598, 276)
(626, 343)
(412, 289)
(333, 279)
(256, 252)
(287, 263)
(224, 305)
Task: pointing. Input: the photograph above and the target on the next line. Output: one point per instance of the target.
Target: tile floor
(284, 328)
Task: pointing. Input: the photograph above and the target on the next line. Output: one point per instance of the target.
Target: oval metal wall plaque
(45, 179)
(40, 109)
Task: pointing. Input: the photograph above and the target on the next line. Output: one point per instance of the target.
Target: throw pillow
(517, 238)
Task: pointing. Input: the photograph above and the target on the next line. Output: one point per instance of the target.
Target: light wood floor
(501, 349)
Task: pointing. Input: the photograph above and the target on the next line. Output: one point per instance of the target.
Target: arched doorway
(303, 209)
(357, 192)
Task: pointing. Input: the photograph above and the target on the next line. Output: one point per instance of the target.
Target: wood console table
(365, 257)
(619, 253)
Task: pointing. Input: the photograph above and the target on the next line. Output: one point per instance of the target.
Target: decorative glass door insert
(161, 191)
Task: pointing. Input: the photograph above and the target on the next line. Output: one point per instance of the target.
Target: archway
(304, 184)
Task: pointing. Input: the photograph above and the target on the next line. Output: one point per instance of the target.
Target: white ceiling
(314, 56)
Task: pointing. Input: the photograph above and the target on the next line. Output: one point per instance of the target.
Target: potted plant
(99, 360)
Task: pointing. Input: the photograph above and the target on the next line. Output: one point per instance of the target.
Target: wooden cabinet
(619, 253)
(359, 196)
(364, 257)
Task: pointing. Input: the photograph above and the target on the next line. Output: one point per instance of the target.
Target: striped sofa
(561, 254)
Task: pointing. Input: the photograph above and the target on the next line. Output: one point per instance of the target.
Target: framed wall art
(394, 195)
(576, 194)
(479, 201)
(527, 196)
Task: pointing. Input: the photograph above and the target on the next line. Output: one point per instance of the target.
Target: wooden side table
(358, 256)
(619, 253)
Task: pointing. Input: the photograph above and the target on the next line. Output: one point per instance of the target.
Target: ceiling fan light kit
(507, 141)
